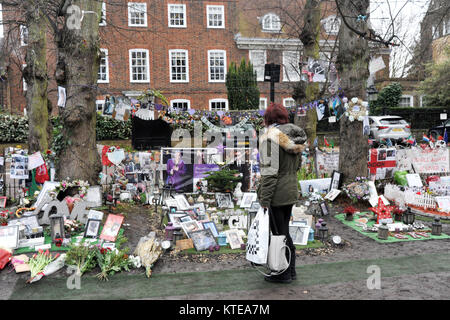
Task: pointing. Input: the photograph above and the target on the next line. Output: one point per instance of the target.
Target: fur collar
(276, 135)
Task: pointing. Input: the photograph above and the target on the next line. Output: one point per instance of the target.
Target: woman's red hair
(276, 113)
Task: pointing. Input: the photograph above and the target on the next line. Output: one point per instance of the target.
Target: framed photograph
(175, 218)
(315, 185)
(247, 199)
(299, 234)
(186, 218)
(200, 207)
(202, 239)
(2, 202)
(255, 206)
(92, 228)
(332, 194)
(182, 202)
(211, 226)
(234, 238)
(171, 203)
(112, 227)
(9, 237)
(335, 180)
(95, 215)
(324, 208)
(57, 227)
(224, 201)
(190, 226)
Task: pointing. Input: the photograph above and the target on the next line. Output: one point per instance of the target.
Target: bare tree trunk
(310, 38)
(77, 69)
(352, 62)
(36, 76)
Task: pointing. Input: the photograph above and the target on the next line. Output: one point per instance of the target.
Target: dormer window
(271, 22)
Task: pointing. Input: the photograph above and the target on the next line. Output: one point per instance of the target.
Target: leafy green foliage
(13, 128)
(436, 87)
(112, 129)
(242, 87)
(389, 96)
(83, 257)
(223, 180)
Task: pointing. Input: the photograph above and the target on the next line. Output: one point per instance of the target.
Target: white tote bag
(258, 238)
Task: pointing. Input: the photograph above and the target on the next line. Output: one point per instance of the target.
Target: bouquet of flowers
(72, 226)
(39, 261)
(4, 216)
(357, 190)
(81, 185)
(83, 258)
(112, 261)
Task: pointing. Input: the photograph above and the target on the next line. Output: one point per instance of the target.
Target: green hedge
(15, 128)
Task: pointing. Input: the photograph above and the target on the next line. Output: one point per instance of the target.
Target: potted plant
(349, 212)
(398, 214)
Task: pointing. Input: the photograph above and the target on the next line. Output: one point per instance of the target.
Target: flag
(410, 140)
(326, 142)
(425, 138)
(388, 142)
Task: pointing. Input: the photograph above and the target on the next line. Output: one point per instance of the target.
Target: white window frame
(224, 66)
(130, 52)
(1, 21)
(187, 65)
(23, 30)
(24, 82)
(103, 16)
(208, 9)
(271, 27)
(259, 77)
(130, 7)
(265, 103)
(285, 100)
(99, 102)
(105, 52)
(180, 101)
(170, 5)
(435, 32)
(296, 76)
(218, 100)
(411, 100)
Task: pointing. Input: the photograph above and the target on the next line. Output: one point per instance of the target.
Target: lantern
(318, 225)
(176, 236)
(383, 231)
(408, 216)
(436, 227)
(323, 232)
(169, 231)
(311, 234)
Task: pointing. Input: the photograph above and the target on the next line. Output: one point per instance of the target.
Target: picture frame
(171, 203)
(3, 202)
(186, 218)
(335, 180)
(182, 203)
(255, 206)
(202, 239)
(175, 218)
(299, 234)
(111, 228)
(324, 208)
(234, 238)
(56, 227)
(224, 201)
(332, 195)
(211, 226)
(9, 237)
(92, 228)
(247, 199)
(320, 185)
(190, 226)
(200, 207)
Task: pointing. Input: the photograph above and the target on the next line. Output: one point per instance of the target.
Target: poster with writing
(429, 161)
(326, 162)
(382, 163)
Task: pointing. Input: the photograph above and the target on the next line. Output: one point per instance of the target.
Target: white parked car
(393, 127)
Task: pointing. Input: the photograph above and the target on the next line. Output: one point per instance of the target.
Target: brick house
(183, 48)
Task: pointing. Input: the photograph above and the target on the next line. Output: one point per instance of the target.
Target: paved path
(424, 276)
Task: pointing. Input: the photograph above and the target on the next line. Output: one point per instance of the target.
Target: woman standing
(280, 154)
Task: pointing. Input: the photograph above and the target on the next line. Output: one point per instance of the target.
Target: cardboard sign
(429, 161)
(326, 162)
(184, 244)
(382, 163)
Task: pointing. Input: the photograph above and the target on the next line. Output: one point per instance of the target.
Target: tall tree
(242, 88)
(352, 63)
(36, 76)
(77, 69)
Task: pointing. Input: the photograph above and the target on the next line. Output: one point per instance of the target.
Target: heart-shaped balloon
(116, 157)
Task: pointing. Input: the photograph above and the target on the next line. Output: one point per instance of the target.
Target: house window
(262, 103)
(218, 105)
(180, 104)
(406, 101)
(258, 60)
(99, 105)
(288, 102)
(271, 22)
(24, 82)
(137, 14)
(215, 16)
(435, 31)
(217, 61)
(291, 71)
(422, 101)
(177, 15)
(139, 66)
(23, 36)
(179, 66)
(103, 16)
(103, 72)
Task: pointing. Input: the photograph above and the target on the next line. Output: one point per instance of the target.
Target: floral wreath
(82, 186)
(357, 190)
(356, 109)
